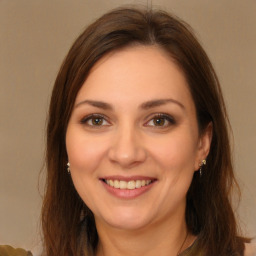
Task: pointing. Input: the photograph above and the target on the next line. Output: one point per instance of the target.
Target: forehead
(137, 73)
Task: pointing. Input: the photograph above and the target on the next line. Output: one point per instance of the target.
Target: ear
(204, 145)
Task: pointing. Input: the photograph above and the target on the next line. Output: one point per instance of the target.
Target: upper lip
(127, 178)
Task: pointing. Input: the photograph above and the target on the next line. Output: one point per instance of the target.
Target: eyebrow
(146, 105)
(94, 103)
(160, 102)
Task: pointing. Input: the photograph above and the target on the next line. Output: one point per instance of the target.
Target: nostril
(127, 155)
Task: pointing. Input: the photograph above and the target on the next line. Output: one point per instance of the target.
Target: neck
(165, 239)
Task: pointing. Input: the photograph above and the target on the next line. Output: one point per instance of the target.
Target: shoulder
(6, 250)
(250, 249)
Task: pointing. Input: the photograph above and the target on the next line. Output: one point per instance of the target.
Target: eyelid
(165, 116)
(85, 119)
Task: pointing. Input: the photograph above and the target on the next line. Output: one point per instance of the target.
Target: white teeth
(132, 184)
(138, 184)
(116, 184)
(123, 184)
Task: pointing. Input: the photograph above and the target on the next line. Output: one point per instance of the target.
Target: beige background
(34, 38)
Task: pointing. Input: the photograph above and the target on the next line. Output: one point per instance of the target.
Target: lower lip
(127, 193)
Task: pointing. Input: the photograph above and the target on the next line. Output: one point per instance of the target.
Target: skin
(131, 139)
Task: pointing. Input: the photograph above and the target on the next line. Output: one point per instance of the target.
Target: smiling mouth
(132, 184)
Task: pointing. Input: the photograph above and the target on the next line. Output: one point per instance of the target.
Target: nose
(127, 148)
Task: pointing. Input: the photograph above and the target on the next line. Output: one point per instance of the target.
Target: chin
(128, 224)
(126, 220)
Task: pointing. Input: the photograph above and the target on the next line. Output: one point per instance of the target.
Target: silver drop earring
(68, 167)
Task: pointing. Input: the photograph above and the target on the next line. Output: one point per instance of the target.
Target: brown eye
(95, 121)
(160, 121)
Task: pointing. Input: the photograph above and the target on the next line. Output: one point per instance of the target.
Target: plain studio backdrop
(35, 36)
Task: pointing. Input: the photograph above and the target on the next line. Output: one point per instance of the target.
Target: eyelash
(86, 119)
(103, 118)
(164, 117)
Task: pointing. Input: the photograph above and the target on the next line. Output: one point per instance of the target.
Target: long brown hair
(209, 213)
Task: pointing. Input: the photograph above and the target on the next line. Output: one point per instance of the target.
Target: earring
(68, 167)
(201, 167)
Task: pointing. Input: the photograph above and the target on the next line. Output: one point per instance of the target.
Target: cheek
(84, 152)
(176, 152)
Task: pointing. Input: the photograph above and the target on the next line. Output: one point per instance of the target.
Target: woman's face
(132, 140)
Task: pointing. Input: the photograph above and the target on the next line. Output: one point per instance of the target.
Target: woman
(138, 154)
